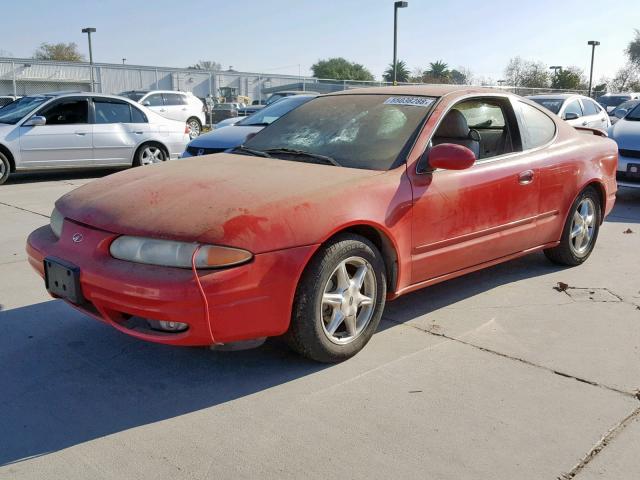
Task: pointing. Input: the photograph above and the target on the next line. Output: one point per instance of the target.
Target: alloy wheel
(151, 155)
(348, 300)
(194, 129)
(582, 226)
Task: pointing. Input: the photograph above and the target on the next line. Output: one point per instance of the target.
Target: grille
(629, 153)
(627, 177)
(195, 151)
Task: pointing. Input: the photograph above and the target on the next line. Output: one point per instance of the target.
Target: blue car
(223, 139)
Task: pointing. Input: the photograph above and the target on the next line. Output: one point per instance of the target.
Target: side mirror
(146, 103)
(35, 121)
(621, 112)
(571, 116)
(450, 156)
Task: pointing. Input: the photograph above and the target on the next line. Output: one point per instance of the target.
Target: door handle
(137, 133)
(584, 124)
(184, 109)
(82, 134)
(526, 177)
(162, 110)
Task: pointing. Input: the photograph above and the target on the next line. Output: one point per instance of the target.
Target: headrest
(454, 125)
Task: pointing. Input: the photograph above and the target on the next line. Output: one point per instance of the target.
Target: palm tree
(438, 72)
(402, 72)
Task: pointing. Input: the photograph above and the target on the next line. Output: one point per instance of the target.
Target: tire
(579, 234)
(334, 316)
(195, 127)
(149, 154)
(5, 168)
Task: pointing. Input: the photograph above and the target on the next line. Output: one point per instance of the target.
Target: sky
(286, 36)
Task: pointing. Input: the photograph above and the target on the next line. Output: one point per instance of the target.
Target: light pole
(124, 60)
(89, 31)
(593, 44)
(396, 6)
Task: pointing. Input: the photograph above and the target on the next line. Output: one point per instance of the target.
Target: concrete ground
(495, 375)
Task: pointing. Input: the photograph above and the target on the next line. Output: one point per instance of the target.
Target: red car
(309, 227)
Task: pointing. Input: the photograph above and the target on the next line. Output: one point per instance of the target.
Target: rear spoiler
(593, 131)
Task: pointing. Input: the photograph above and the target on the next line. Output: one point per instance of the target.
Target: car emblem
(77, 237)
(200, 151)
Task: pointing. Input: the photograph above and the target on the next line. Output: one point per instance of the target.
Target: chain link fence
(27, 76)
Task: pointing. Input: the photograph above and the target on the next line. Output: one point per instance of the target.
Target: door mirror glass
(35, 121)
(571, 116)
(450, 156)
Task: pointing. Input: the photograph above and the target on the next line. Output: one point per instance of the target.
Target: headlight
(169, 253)
(55, 222)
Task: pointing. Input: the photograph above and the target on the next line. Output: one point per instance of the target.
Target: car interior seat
(454, 129)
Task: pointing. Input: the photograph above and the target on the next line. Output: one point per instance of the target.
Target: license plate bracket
(62, 279)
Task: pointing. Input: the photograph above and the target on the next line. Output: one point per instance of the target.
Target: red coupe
(309, 227)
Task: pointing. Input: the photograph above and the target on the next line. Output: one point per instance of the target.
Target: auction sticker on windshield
(415, 101)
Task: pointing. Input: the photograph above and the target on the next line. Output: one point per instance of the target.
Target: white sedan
(626, 133)
(576, 110)
(67, 130)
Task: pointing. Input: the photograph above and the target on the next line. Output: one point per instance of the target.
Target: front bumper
(250, 301)
(623, 177)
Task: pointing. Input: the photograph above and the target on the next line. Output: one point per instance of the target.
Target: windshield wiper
(257, 124)
(251, 151)
(301, 153)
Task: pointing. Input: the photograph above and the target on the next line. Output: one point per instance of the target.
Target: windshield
(271, 113)
(224, 106)
(628, 105)
(633, 115)
(612, 100)
(553, 104)
(16, 111)
(275, 97)
(135, 96)
(358, 131)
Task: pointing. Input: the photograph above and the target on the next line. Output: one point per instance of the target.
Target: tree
(206, 65)
(67, 52)
(461, 76)
(633, 50)
(402, 72)
(625, 78)
(524, 73)
(571, 78)
(438, 72)
(340, 69)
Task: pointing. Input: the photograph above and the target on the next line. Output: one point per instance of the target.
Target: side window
(590, 108)
(137, 116)
(574, 107)
(112, 111)
(174, 99)
(154, 100)
(66, 112)
(537, 128)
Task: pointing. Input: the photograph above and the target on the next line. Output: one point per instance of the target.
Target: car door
(464, 218)
(65, 140)
(177, 106)
(155, 103)
(118, 127)
(594, 115)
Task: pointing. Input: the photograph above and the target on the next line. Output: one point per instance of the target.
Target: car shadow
(627, 207)
(59, 175)
(67, 379)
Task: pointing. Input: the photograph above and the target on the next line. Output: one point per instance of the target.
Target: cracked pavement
(493, 375)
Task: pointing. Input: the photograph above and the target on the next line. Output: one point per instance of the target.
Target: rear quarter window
(537, 128)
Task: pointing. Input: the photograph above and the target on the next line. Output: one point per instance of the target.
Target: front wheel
(580, 230)
(5, 168)
(339, 300)
(149, 154)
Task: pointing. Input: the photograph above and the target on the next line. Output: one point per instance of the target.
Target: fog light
(172, 326)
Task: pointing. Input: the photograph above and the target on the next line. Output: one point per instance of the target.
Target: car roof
(553, 96)
(423, 90)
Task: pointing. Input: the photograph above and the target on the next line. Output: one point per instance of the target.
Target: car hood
(227, 137)
(626, 134)
(237, 200)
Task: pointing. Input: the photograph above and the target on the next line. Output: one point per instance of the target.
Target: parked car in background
(310, 226)
(181, 106)
(6, 100)
(611, 100)
(577, 110)
(227, 122)
(249, 110)
(621, 110)
(222, 139)
(274, 97)
(51, 131)
(222, 111)
(626, 133)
